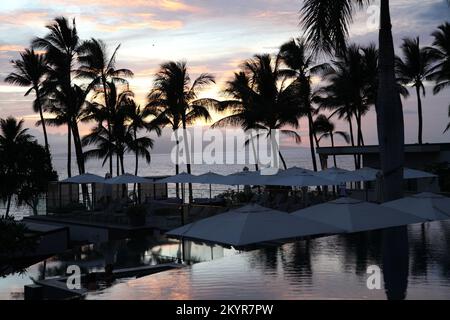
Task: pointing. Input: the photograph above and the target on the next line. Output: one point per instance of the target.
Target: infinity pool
(414, 263)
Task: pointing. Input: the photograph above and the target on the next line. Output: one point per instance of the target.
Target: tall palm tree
(174, 102)
(263, 101)
(13, 141)
(301, 62)
(61, 45)
(69, 114)
(441, 72)
(351, 88)
(326, 23)
(111, 141)
(30, 71)
(140, 145)
(96, 66)
(327, 129)
(415, 67)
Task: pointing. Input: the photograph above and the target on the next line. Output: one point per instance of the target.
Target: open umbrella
(127, 179)
(86, 178)
(354, 215)
(249, 225)
(180, 178)
(426, 205)
(297, 177)
(338, 176)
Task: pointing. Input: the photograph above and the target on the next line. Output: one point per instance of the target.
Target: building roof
(409, 148)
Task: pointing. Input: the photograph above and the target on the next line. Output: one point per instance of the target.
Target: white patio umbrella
(355, 215)
(337, 175)
(210, 178)
(297, 177)
(180, 178)
(127, 179)
(249, 225)
(370, 174)
(426, 205)
(246, 178)
(416, 174)
(86, 178)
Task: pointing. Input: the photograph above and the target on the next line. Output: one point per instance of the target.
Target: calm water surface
(415, 264)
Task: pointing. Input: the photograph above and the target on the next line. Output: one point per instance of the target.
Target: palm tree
(110, 141)
(61, 45)
(30, 71)
(69, 114)
(441, 72)
(174, 102)
(326, 24)
(140, 145)
(13, 141)
(100, 70)
(414, 69)
(263, 101)
(300, 61)
(351, 88)
(323, 126)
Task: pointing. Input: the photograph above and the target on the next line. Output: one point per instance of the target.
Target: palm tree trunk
(332, 145)
(352, 139)
(136, 166)
(8, 206)
(78, 147)
(41, 115)
(105, 93)
(69, 151)
(389, 113)
(282, 160)
(188, 159)
(419, 111)
(177, 170)
(311, 141)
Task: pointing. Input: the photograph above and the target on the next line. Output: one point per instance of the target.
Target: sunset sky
(212, 35)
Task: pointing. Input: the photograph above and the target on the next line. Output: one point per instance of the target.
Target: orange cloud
(28, 18)
(11, 47)
(167, 5)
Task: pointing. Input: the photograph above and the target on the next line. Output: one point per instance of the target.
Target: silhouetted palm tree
(300, 61)
(140, 145)
(69, 114)
(263, 100)
(441, 74)
(326, 23)
(96, 66)
(323, 126)
(61, 45)
(13, 139)
(30, 71)
(115, 138)
(174, 102)
(415, 67)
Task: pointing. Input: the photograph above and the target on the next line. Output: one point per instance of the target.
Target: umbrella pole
(210, 192)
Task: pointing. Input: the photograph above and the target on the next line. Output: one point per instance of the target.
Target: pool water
(414, 262)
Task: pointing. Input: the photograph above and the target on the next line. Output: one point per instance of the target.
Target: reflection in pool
(415, 264)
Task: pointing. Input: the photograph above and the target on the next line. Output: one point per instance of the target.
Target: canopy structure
(210, 178)
(355, 215)
(297, 177)
(246, 178)
(250, 225)
(337, 175)
(426, 205)
(180, 178)
(417, 174)
(127, 179)
(370, 174)
(86, 178)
